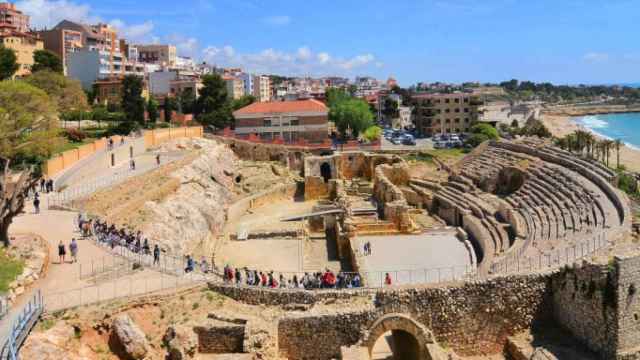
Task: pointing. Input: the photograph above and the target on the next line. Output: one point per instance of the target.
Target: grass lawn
(446, 155)
(69, 145)
(9, 269)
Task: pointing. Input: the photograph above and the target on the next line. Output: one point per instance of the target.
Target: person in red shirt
(387, 279)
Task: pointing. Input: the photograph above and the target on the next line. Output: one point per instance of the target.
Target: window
(466, 120)
(457, 110)
(457, 101)
(295, 122)
(446, 101)
(446, 110)
(466, 110)
(267, 123)
(465, 100)
(457, 120)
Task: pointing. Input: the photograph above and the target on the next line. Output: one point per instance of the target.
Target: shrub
(372, 133)
(75, 135)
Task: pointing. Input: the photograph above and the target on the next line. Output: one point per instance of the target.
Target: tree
(46, 60)
(213, 106)
(390, 108)
(152, 110)
(485, 129)
(169, 107)
(335, 95)
(28, 131)
(618, 144)
(132, 101)
(242, 102)
(353, 114)
(8, 63)
(65, 92)
(187, 101)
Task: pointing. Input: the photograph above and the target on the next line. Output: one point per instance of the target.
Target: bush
(485, 129)
(477, 139)
(123, 128)
(372, 133)
(75, 135)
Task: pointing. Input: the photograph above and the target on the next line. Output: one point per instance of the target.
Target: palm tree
(607, 144)
(618, 143)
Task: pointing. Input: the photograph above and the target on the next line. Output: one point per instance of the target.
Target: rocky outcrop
(53, 344)
(34, 251)
(192, 215)
(181, 342)
(133, 341)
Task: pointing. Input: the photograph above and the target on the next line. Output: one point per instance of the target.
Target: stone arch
(400, 323)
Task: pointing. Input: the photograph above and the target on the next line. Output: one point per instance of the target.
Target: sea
(623, 126)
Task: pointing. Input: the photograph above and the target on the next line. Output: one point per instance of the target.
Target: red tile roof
(310, 105)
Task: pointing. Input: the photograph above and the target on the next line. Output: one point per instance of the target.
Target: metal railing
(21, 327)
(4, 305)
(517, 262)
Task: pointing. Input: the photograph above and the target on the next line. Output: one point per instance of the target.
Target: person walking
(36, 204)
(73, 248)
(158, 159)
(190, 264)
(62, 252)
(43, 183)
(156, 255)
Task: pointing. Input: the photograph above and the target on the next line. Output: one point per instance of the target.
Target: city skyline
(451, 41)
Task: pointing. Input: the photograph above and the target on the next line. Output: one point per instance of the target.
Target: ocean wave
(593, 122)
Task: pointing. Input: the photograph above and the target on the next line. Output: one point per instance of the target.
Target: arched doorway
(397, 336)
(396, 345)
(325, 171)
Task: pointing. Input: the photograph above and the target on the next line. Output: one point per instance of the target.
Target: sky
(561, 41)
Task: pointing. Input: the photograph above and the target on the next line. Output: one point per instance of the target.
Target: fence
(558, 257)
(21, 327)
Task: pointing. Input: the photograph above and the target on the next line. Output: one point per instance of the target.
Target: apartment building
(12, 19)
(247, 80)
(62, 42)
(235, 86)
(262, 88)
(161, 54)
(288, 120)
(24, 45)
(446, 113)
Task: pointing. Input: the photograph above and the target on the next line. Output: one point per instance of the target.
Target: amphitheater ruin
(516, 250)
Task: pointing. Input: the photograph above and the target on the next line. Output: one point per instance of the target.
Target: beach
(561, 123)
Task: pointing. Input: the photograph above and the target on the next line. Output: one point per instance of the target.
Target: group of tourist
(73, 249)
(318, 280)
(367, 248)
(113, 236)
(46, 185)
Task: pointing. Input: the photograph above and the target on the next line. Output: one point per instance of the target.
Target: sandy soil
(561, 125)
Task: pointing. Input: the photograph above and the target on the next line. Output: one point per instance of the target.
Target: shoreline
(561, 124)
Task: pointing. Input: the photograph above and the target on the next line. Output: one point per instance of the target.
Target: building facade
(24, 45)
(165, 55)
(287, 120)
(262, 88)
(235, 86)
(12, 19)
(446, 113)
(62, 42)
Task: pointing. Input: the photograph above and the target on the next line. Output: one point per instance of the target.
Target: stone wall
(290, 156)
(220, 339)
(240, 207)
(579, 305)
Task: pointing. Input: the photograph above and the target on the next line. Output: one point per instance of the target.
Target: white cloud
(134, 33)
(278, 20)
(324, 57)
(304, 53)
(356, 61)
(45, 13)
(303, 61)
(185, 46)
(595, 57)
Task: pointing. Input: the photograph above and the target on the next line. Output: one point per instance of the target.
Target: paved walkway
(66, 285)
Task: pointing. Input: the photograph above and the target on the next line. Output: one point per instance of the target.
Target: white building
(247, 79)
(262, 88)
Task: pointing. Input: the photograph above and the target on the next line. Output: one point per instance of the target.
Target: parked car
(408, 141)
